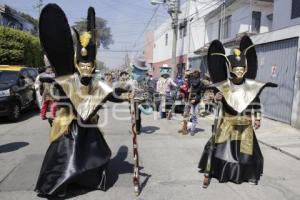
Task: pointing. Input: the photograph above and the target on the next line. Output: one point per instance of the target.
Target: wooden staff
(207, 172)
(136, 181)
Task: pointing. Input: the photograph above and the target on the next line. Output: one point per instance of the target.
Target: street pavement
(168, 160)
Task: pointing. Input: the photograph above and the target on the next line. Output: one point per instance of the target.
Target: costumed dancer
(163, 87)
(108, 77)
(140, 90)
(187, 95)
(78, 153)
(196, 89)
(140, 102)
(208, 97)
(233, 154)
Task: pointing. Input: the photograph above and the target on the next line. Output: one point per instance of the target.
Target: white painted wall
(194, 38)
(161, 51)
(282, 14)
(197, 26)
(201, 32)
(241, 16)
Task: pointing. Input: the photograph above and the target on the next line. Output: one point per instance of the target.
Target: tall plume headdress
(56, 39)
(86, 41)
(218, 62)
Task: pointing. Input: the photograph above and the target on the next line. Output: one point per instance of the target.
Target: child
(47, 98)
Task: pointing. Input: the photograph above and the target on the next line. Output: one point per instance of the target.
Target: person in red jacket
(184, 90)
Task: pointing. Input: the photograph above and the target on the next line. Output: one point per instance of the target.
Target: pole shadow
(13, 146)
(118, 165)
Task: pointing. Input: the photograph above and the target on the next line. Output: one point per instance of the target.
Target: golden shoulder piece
(84, 41)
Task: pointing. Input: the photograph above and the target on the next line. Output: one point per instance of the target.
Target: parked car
(16, 90)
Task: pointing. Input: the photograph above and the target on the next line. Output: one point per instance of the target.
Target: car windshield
(8, 77)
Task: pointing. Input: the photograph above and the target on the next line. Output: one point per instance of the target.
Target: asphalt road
(168, 160)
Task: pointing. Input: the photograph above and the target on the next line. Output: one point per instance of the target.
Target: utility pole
(39, 6)
(173, 10)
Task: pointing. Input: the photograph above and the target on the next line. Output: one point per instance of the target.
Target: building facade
(272, 25)
(279, 62)
(202, 21)
(286, 13)
(230, 21)
(11, 18)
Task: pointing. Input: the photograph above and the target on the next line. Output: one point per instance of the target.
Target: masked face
(138, 75)
(239, 72)
(85, 69)
(165, 75)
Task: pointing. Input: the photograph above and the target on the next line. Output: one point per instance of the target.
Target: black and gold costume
(235, 156)
(78, 153)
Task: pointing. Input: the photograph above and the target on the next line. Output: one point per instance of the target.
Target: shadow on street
(117, 166)
(149, 129)
(25, 115)
(13, 146)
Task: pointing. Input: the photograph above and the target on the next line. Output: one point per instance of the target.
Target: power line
(203, 16)
(145, 28)
(169, 28)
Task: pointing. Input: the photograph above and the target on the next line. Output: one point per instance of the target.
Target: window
(180, 33)
(166, 39)
(225, 28)
(295, 9)
(256, 19)
(183, 29)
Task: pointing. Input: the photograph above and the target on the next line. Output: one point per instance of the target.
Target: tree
(19, 48)
(103, 31)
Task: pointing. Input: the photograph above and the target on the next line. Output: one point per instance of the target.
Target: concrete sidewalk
(280, 136)
(275, 134)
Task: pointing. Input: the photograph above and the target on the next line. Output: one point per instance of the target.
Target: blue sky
(127, 19)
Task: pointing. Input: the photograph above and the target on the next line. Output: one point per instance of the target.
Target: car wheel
(15, 114)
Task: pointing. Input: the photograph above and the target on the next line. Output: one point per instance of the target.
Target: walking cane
(207, 174)
(136, 181)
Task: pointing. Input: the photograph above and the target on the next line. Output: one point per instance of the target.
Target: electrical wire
(145, 28)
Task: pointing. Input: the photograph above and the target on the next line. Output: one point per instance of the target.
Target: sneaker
(253, 182)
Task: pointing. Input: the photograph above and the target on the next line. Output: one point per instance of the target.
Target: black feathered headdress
(86, 41)
(56, 40)
(219, 63)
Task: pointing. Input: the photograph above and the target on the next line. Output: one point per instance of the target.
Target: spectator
(48, 100)
(163, 87)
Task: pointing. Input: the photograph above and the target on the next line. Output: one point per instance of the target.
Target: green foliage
(103, 31)
(19, 48)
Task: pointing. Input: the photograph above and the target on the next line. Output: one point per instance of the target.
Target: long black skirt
(79, 157)
(228, 164)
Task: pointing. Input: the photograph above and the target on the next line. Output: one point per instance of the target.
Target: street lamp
(155, 2)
